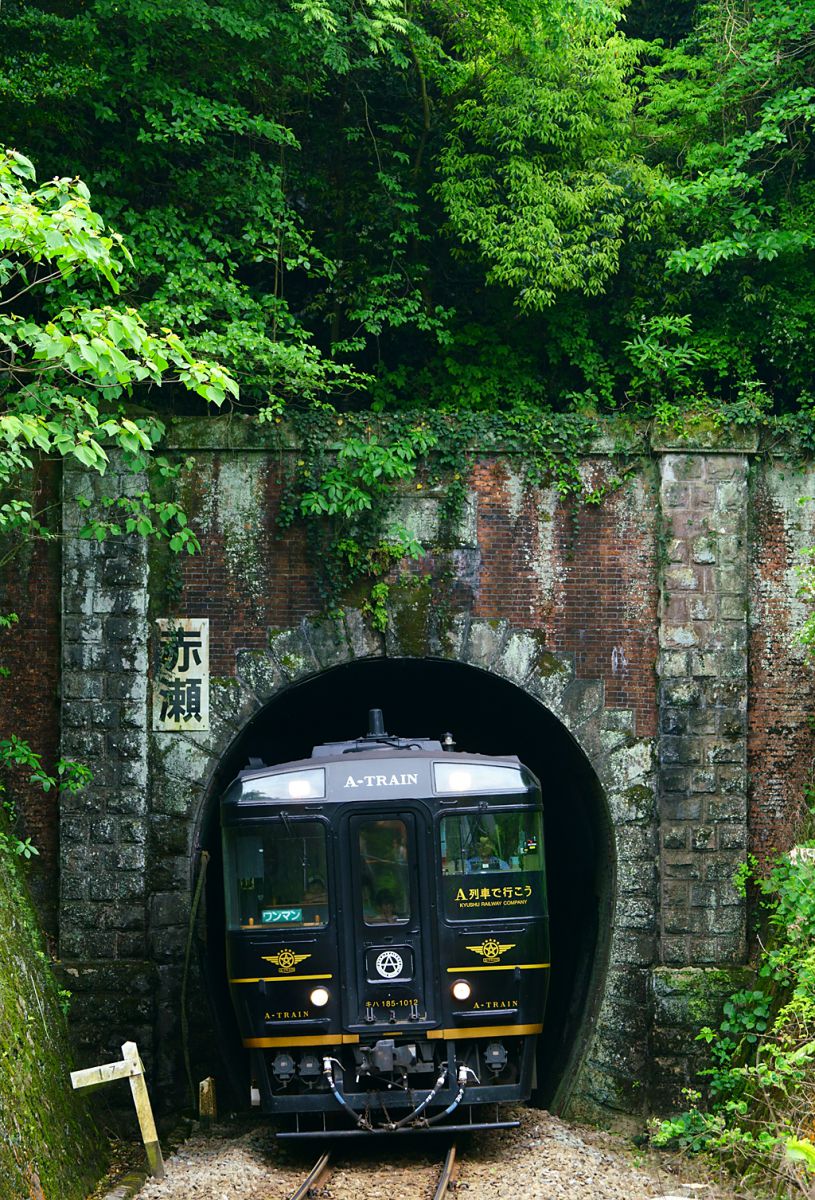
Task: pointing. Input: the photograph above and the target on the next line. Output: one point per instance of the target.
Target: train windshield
(276, 874)
(492, 863)
(383, 852)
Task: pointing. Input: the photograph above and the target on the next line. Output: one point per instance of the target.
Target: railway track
(321, 1171)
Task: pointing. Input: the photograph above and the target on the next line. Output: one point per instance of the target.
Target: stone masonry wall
(103, 933)
(671, 607)
(703, 707)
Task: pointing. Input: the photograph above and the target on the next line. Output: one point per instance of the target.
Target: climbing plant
(757, 1109)
(68, 374)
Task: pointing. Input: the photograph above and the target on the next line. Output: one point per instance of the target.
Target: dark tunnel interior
(485, 714)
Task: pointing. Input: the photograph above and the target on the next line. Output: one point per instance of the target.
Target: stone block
(73, 885)
(169, 836)
(260, 672)
(167, 944)
(636, 878)
(733, 837)
(733, 607)
(706, 663)
(363, 642)
(485, 641)
(103, 831)
(635, 912)
(673, 720)
(131, 945)
(326, 638)
(291, 651)
(682, 579)
(704, 549)
(130, 689)
(116, 884)
(133, 714)
(727, 808)
(681, 865)
(675, 894)
(633, 947)
(82, 685)
(170, 909)
(677, 637)
(83, 656)
(519, 657)
(703, 838)
(132, 832)
(82, 744)
(675, 751)
(702, 608)
(681, 467)
(81, 629)
(126, 746)
(680, 695)
(675, 495)
(675, 837)
(133, 773)
(629, 806)
(125, 629)
(130, 802)
(93, 943)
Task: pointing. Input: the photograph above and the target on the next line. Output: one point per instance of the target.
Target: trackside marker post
(132, 1068)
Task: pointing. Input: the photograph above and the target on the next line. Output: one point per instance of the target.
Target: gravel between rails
(544, 1159)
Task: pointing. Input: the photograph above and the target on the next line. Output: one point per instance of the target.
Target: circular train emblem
(389, 964)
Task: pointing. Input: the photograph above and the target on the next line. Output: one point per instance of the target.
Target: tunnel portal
(485, 714)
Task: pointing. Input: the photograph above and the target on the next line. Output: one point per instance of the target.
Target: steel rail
(447, 1173)
(312, 1179)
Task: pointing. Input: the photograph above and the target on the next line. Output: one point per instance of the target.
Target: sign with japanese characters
(181, 679)
(510, 894)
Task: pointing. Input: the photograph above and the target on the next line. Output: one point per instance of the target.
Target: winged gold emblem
(491, 950)
(285, 960)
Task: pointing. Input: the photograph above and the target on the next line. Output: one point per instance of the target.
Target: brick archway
(603, 1066)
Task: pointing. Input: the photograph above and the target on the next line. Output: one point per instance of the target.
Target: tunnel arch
(499, 691)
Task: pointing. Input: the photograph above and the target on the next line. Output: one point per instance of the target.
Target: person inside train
(485, 858)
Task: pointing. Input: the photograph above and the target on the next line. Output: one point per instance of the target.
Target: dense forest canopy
(436, 204)
(492, 220)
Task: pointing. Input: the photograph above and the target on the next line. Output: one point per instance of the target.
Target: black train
(387, 933)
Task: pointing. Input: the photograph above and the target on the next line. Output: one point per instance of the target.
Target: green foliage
(17, 756)
(65, 372)
(761, 1084)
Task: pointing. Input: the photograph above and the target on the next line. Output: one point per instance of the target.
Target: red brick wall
(585, 576)
(782, 700)
(29, 698)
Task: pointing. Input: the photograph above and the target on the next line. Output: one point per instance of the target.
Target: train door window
(492, 863)
(276, 874)
(383, 854)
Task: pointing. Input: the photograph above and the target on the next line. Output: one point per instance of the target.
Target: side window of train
(384, 871)
(278, 874)
(491, 861)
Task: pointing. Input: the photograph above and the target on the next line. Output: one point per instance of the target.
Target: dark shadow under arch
(487, 714)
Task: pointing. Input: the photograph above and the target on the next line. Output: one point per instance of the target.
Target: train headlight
(476, 777)
(288, 785)
(319, 997)
(461, 990)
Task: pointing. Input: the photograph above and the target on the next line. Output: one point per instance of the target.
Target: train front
(387, 938)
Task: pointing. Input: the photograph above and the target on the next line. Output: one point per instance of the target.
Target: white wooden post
(132, 1068)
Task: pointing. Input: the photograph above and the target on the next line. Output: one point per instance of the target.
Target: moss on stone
(48, 1144)
(411, 614)
(691, 997)
(549, 664)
